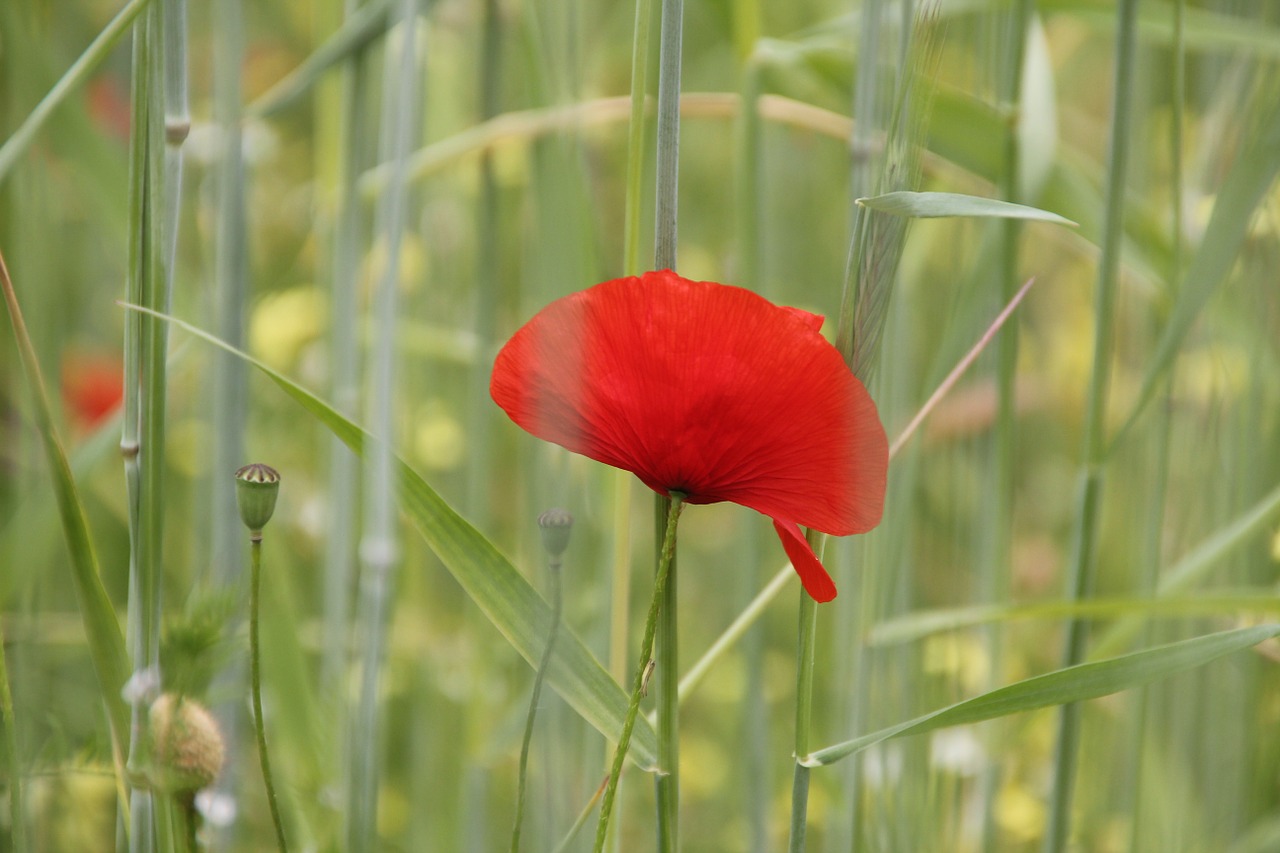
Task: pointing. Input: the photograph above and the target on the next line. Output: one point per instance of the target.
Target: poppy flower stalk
(665, 559)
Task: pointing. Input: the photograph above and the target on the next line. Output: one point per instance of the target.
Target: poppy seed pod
(186, 744)
(256, 488)
(556, 524)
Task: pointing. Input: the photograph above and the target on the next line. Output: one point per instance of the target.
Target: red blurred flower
(709, 390)
(92, 387)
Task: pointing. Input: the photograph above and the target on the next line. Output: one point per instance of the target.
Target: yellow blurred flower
(283, 323)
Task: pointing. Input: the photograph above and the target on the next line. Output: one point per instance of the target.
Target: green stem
(13, 769)
(255, 667)
(995, 554)
(804, 710)
(666, 203)
(667, 699)
(635, 140)
(665, 560)
(1083, 565)
(556, 606)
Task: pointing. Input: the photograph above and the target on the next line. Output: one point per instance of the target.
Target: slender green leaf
(1073, 684)
(924, 623)
(78, 73)
(101, 626)
(1193, 567)
(1245, 187)
(365, 24)
(513, 606)
(1206, 30)
(933, 205)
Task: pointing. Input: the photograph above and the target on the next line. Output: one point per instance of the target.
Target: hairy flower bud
(187, 746)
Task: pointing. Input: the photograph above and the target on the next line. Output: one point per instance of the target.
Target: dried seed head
(256, 488)
(187, 746)
(556, 524)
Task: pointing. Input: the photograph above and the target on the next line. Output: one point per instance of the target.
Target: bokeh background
(516, 194)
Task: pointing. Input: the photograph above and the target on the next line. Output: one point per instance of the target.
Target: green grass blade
(1218, 602)
(1073, 684)
(1206, 30)
(78, 73)
(1244, 189)
(101, 626)
(1197, 563)
(365, 24)
(513, 606)
(934, 205)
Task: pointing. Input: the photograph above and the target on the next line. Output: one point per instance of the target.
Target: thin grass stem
(1082, 565)
(229, 381)
(665, 560)
(997, 542)
(379, 549)
(12, 761)
(343, 509)
(1153, 556)
(666, 203)
(620, 575)
(145, 428)
(553, 571)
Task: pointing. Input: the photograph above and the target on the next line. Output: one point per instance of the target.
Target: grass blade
(78, 73)
(1244, 189)
(1073, 684)
(101, 627)
(513, 606)
(935, 205)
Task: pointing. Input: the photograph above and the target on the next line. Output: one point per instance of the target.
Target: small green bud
(187, 745)
(256, 488)
(556, 525)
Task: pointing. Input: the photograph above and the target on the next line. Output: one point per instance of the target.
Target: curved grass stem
(665, 560)
(521, 787)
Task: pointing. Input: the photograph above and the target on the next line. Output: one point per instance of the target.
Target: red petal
(703, 388)
(812, 573)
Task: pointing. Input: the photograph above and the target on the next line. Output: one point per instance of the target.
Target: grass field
(349, 207)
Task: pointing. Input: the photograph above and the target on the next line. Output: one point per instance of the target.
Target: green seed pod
(187, 747)
(556, 525)
(256, 488)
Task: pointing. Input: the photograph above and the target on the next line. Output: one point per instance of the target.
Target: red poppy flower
(708, 390)
(92, 387)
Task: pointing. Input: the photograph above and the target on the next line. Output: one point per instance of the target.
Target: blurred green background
(505, 214)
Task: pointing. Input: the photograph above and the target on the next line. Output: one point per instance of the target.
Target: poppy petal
(812, 573)
(702, 388)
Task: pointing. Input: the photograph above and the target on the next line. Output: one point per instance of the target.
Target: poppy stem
(553, 567)
(665, 560)
(255, 672)
(804, 708)
(667, 698)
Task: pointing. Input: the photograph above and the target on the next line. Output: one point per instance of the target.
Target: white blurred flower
(218, 808)
(143, 686)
